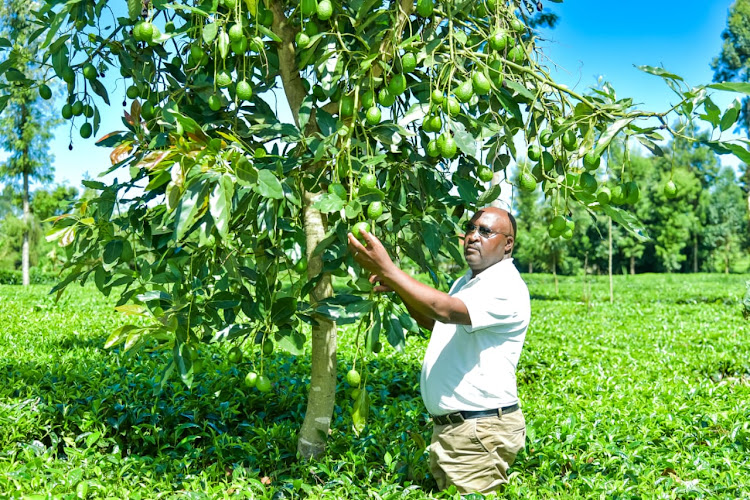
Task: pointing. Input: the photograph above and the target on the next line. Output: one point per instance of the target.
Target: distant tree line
(702, 226)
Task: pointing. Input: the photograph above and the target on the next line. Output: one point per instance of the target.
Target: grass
(643, 398)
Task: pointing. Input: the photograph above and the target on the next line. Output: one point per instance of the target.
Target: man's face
(489, 240)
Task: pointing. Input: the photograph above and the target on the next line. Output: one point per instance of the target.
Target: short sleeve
(487, 309)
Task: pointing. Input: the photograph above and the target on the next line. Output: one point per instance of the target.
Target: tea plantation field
(648, 397)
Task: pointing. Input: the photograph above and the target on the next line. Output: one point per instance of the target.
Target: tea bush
(642, 398)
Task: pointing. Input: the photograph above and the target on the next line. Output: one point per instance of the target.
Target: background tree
(527, 207)
(733, 63)
(43, 204)
(724, 223)
(26, 123)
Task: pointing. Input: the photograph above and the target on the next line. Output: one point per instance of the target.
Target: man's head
(490, 236)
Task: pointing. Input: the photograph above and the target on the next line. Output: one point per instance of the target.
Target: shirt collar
(494, 268)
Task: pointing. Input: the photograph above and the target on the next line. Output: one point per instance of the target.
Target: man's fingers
(354, 244)
(368, 237)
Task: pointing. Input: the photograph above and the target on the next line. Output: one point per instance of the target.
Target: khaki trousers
(474, 455)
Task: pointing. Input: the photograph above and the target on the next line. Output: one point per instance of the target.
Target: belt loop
(499, 413)
(455, 418)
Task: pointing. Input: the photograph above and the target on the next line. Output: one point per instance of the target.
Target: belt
(459, 416)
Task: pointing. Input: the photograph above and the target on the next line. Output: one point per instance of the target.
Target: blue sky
(609, 39)
(592, 39)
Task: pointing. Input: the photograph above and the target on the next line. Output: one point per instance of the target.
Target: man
(468, 379)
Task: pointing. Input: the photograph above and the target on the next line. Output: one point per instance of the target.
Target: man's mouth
(471, 249)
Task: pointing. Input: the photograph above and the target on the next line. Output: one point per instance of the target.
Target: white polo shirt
(473, 367)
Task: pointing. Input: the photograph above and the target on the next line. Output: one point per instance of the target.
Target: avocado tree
(228, 217)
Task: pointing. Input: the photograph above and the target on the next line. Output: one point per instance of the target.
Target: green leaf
(660, 72)
(610, 134)
(712, 112)
(741, 87)
(627, 221)
(118, 336)
(305, 110)
(268, 185)
(510, 105)
(466, 190)
(489, 196)
(329, 203)
(183, 357)
(13, 75)
(739, 151)
(464, 140)
(154, 295)
(270, 34)
(209, 32)
(353, 209)
(651, 146)
(134, 9)
(55, 26)
(325, 243)
(220, 204)
(292, 341)
(245, 172)
(8, 63)
(730, 115)
(520, 89)
(395, 333)
(416, 112)
(112, 251)
(286, 131)
(231, 332)
(99, 90)
(187, 208)
(282, 309)
(5, 43)
(133, 339)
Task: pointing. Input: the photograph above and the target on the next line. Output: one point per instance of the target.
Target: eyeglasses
(484, 232)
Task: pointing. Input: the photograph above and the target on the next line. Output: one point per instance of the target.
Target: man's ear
(509, 244)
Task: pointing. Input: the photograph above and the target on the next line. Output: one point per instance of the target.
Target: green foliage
(724, 224)
(43, 256)
(619, 399)
(733, 63)
(26, 121)
(13, 277)
(686, 230)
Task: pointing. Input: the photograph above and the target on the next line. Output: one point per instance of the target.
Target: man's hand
(373, 257)
(381, 286)
(424, 303)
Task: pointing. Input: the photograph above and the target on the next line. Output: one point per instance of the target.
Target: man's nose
(472, 236)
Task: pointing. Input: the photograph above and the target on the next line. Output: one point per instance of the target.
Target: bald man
(468, 380)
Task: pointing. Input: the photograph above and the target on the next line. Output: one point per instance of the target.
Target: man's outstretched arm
(425, 304)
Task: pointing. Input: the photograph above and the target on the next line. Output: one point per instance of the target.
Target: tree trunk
(726, 256)
(320, 400)
(531, 267)
(632, 264)
(695, 253)
(585, 272)
(554, 272)
(26, 230)
(609, 268)
(312, 437)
